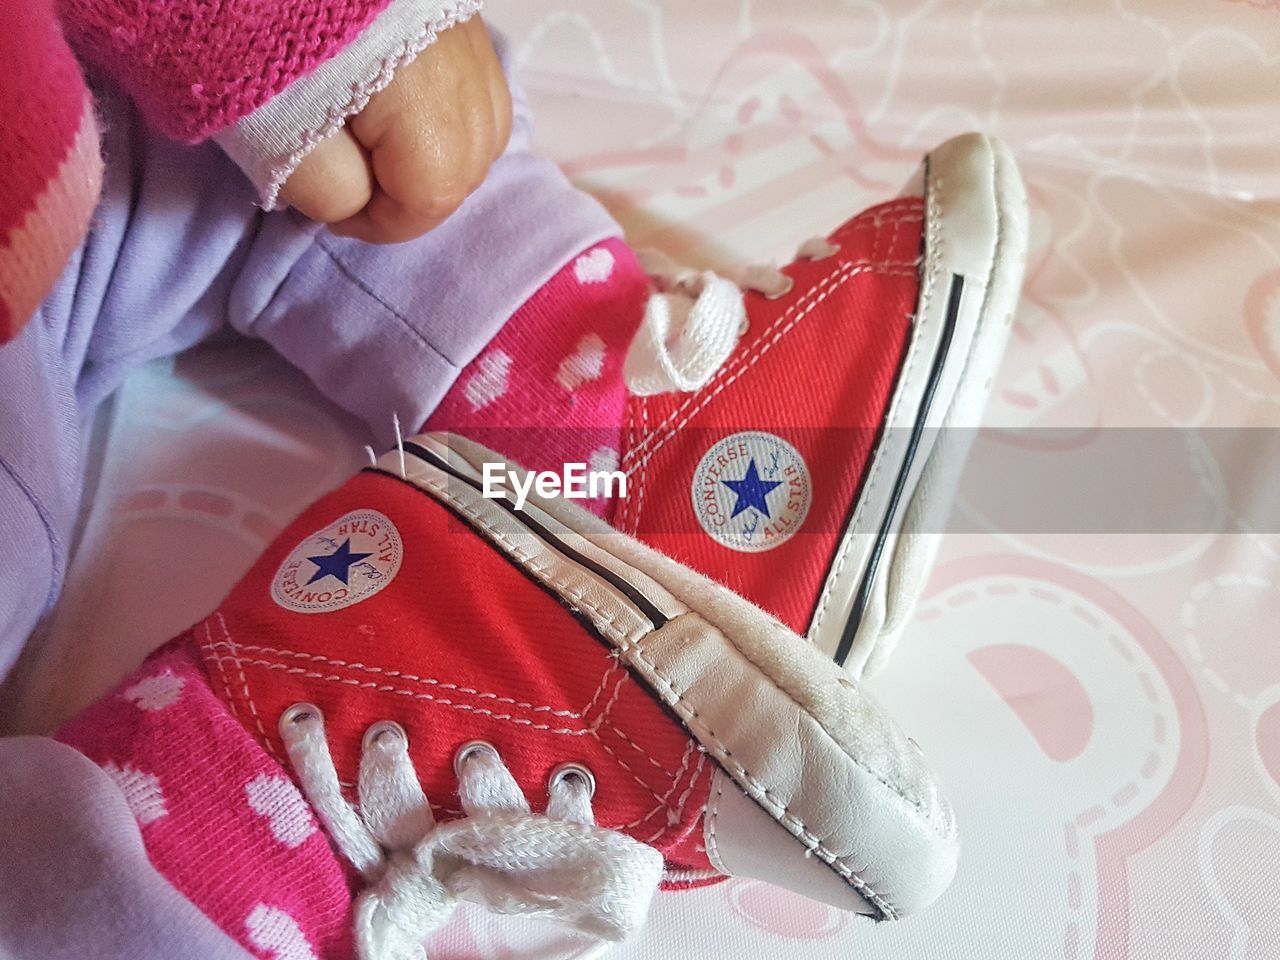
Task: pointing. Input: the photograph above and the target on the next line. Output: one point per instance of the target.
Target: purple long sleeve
(177, 252)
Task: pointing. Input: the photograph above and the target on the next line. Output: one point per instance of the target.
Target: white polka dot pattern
(141, 791)
(594, 266)
(278, 801)
(275, 932)
(155, 692)
(490, 381)
(583, 365)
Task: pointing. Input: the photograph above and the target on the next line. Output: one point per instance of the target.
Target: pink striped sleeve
(49, 158)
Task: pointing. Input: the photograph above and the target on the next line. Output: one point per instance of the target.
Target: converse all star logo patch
(348, 561)
(751, 491)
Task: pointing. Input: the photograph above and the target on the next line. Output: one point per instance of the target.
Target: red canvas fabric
(816, 368)
(460, 645)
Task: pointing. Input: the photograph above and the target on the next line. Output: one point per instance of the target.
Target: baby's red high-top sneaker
(803, 448)
(421, 695)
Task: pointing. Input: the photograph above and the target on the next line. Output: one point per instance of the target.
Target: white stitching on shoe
(612, 727)
(801, 303)
(780, 811)
(713, 811)
(623, 509)
(643, 485)
(592, 730)
(694, 779)
(662, 805)
(244, 682)
(366, 668)
(927, 287)
(816, 296)
(604, 682)
(411, 694)
(627, 767)
(222, 669)
(634, 746)
(593, 726)
(601, 721)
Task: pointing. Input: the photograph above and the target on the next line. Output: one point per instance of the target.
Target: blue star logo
(337, 564)
(752, 492)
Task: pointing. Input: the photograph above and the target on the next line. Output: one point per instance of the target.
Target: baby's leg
(508, 323)
(385, 331)
(178, 250)
(171, 243)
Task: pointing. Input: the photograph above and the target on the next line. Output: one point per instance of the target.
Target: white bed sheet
(1104, 709)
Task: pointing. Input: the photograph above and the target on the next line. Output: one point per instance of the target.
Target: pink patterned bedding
(1104, 707)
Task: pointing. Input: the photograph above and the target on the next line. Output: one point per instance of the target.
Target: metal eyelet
(743, 327)
(381, 730)
(299, 713)
(779, 294)
(468, 750)
(567, 771)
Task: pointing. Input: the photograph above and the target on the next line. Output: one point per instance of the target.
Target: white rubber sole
(975, 242)
(840, 807)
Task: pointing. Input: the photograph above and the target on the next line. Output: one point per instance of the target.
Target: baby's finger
(333, 182)
(499, 93)
(424, 172)
(500, 97)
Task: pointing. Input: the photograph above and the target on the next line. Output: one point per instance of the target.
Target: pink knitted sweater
(268, 80)
(198, 66)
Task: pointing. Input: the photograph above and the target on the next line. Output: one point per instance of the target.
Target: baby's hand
(419, 147)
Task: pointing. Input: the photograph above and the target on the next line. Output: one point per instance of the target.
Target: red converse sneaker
(432, 666)
(804, 453)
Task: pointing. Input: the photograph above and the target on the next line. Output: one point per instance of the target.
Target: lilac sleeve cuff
(270, 142)
(76, 879)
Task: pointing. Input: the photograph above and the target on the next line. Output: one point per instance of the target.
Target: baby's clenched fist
(410, 158)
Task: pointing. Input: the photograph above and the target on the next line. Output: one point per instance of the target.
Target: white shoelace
(694, 319)
(500, 855)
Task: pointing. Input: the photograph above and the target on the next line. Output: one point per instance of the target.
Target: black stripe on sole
(899, 488)
(642, 603)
